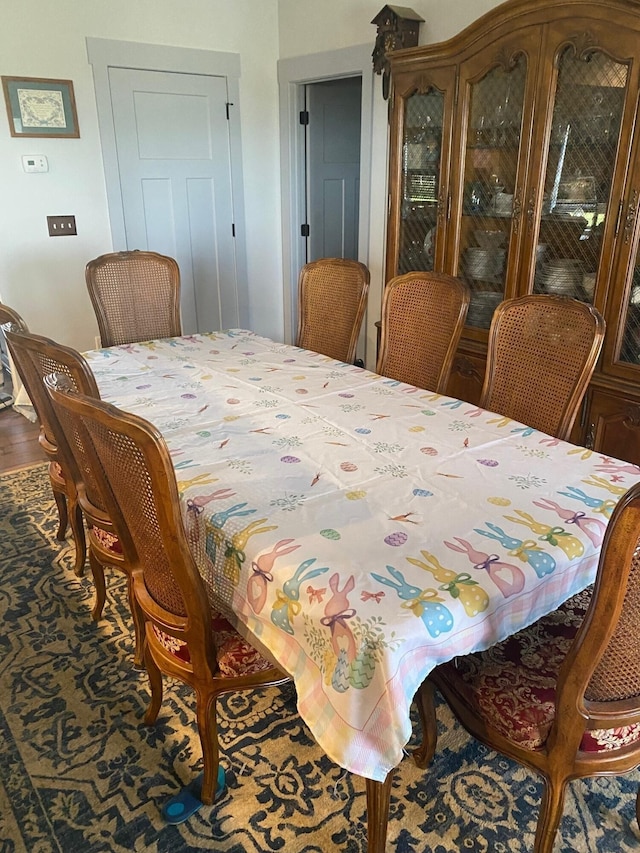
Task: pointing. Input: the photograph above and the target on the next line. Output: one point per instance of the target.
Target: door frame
(293, 75)
(109, 53)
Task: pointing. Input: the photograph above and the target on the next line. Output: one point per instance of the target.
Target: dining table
(360, 530)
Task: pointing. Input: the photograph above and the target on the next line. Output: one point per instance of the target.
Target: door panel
(175, 175)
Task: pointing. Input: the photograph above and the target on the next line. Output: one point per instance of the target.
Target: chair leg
(63, 519)
(138, 626)
(550, 814)
(155, 683)
(208, 732)
(97, 571)
(425, 698)
(77, 528)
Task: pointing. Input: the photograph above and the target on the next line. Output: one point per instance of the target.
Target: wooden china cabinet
(515, 164)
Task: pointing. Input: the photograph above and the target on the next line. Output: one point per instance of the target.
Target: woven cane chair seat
(422, 319)
(135, 296)
(542, 353)
(332, 297)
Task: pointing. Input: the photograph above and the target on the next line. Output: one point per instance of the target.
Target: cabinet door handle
(630, 218)
(517, 210)
(531, 209)
(590, 437)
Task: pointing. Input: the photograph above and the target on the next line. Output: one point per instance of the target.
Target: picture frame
(37, 106)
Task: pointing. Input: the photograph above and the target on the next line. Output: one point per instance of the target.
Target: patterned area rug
(79, 772)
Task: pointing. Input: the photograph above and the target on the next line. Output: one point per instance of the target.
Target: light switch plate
(35, 163)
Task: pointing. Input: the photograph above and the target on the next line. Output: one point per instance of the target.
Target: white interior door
(173, 152)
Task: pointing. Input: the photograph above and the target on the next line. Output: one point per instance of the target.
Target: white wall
(43, 277)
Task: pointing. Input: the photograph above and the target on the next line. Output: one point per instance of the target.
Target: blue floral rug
(80, 772)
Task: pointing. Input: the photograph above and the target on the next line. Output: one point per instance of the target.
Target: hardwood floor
(18, 441)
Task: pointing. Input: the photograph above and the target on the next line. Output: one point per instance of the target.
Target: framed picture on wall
(40, 107)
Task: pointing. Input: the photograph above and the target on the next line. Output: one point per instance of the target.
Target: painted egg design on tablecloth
(345, 394)
(416, 428)
(289, 361)
(490, 463)
(188, 396)
(283, 417)
(232, 401)
(363, 431)
(301, 391)
(348, 466)
(330, 534)
(142, 387)
(204, 433)
(422, 493)
(289, 459)
(499, 501)
(231, 417)
(255, 379)
(355, 496)
(297, 378)
(396, 539)
(428, 412)
(429, 451)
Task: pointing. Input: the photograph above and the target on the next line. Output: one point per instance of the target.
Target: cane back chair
(542, 353)
(104, 546)
(34, 357)
(12, 318)
(184, 638)
(562, 696)
(332, 297)
(135, 296)
(423, 315)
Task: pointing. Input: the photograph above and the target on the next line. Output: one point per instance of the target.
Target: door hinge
(233, 229)
(226, 106)
(304, 117)
(304, 230)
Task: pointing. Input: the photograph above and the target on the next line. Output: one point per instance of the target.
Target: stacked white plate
(483, 304)
(562, 276)
(483, 263)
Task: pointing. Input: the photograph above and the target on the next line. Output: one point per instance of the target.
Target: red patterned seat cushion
(512, 684)
(109, 541)
(234, 655)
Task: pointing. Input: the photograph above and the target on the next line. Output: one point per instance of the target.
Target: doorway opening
(332, 128)
(297, 76)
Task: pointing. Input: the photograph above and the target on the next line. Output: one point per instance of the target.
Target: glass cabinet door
(421, 186)
(490, 173)
(585, 130)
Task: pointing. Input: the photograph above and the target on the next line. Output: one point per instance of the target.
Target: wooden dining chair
(135, 296)
(8, 316)
(104, 546)
(542, 353)
(423, 315)
(332, 297)
(184, 637)
(562, 696)
(34, 357)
